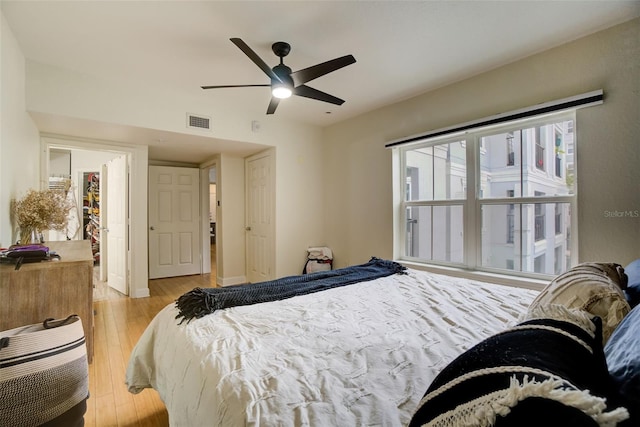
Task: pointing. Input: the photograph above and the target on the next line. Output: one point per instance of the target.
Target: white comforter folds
(358, 355)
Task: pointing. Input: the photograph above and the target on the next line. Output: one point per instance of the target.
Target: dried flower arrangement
(39, 211)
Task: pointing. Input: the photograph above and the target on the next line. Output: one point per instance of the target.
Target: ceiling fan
(284, 82)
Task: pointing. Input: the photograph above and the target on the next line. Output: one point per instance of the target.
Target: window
(539, 220)
(461, 195)
(511, 155)
(558, 266)
(558, 218)
(509, 263)
(510, 218)
(411, 222)
(539, 149)
(558, 151)
(539, 264)
(434, 229)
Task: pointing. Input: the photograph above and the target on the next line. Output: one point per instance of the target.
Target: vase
(29, 236)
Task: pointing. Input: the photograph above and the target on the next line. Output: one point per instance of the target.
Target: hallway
(101, 291)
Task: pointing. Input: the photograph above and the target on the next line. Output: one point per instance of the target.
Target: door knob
(152, 228)
(248, 228)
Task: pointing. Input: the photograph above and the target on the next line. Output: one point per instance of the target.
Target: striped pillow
(594, 287)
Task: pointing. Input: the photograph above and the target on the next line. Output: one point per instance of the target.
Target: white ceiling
(402, 48)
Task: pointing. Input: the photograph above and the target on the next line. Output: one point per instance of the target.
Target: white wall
(59, 163)
(358, 193)
(19, 140)
(89, 160)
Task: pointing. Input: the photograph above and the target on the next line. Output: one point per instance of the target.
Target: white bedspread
(360, 355)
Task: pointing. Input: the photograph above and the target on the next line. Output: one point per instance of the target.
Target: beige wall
(19, 139)
(230, 226)
(299, 208)
(358, 192)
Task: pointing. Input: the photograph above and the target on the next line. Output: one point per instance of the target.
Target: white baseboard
(139, 293)
(228, 281)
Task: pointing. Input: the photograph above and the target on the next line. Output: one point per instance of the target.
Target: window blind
(579, 101)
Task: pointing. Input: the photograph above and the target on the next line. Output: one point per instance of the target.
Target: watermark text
(622, 214)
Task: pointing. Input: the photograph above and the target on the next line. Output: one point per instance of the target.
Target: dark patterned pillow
(541, 372)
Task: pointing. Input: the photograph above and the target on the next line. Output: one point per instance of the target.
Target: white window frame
(472, 205)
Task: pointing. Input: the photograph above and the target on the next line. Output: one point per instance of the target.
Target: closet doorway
(98, 182)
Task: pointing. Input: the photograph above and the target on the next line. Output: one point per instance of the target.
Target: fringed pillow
(543, 371)
(596, 288)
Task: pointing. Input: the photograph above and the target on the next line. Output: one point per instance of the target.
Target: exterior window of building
(539, 150)
(510, 218)
(558, 260)
(511, 155)
(539, 220)
(558, 151)
(539, 264)
(452, 180)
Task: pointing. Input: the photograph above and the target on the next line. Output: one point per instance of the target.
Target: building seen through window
(516, 210)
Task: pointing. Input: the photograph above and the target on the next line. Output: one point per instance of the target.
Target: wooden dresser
(47, 289)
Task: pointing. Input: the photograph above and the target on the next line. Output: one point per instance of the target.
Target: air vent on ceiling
(198, 122)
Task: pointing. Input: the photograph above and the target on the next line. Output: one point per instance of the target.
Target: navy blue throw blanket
(199, 302)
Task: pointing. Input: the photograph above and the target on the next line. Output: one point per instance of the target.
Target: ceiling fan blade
(255, 58)
(307, 74)
(223, 86)
(309, 92)
(273, 104)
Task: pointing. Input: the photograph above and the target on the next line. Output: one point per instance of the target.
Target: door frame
(271, 262)
(137, 192)
(204, 216)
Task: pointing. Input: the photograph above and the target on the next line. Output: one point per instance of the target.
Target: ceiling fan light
(281, 91)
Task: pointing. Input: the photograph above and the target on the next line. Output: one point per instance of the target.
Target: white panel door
(260, 218)
(174, 221)
(116, 223)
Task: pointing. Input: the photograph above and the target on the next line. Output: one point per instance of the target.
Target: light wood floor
(119, 322)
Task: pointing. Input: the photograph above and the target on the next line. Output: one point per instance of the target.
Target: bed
(361, 354)
(387, 351)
